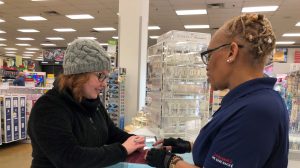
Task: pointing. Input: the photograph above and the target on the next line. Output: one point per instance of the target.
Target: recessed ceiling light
(32, 49)
(153, 27)
(118, 13)
(83, 16)
(11, 55)
(298, 24)
(29, 52)
(26, 57)
(32, 18)
(192, 12)
(291, 35)
(196, 26)
(104, 44)
(24, 38)
(104, 29)
(2, 39)
(115, 37)
(1, 31)
(55, 38)
(64, 30)
(28, 30)
(48, 44)
(23, 44)
(1, 20)
(153, 37)
(285, 42)
(10, 52)
(90, 38)
(259, 9)
(3, 45)
(14, 49)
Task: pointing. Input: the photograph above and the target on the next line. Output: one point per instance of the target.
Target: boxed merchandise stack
(6, 119)
(114, 101)
(177, 84)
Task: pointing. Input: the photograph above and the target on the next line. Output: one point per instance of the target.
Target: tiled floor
(18, 155)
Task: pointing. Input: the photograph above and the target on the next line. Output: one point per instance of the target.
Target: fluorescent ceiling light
(39, 59)
(10, 52)
(291, 35)
(153, 27)
(196, 26)
(32, 18)
(26, 57)
(32, 49)
(64, 30)
(2, 39)
(29, 52)
(259, 9)
(24, 38)
(14, 49)
(55, 38)
(48, 44)
(1, 2)
(104, 29)
(115, 37)
(3, 45)
(118, 13)
(192, 12)
(298, 24)
(1, 20)
(154, 37)
(83, 16)
(104, 44)
(11, 55)
(90, 38)
(1, 31)
(285, 42)
(23, 44)
(28, 30)
(38, 0)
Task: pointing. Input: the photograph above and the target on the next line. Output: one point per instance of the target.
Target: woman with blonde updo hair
(250, 129)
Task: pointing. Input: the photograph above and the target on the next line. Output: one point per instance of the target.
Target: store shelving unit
(115, 95)
(177, 84)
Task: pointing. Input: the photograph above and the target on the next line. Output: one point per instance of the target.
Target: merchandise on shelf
(293, 103)
(177, 84)
(15, 105)
(35, 79)
(114, 96)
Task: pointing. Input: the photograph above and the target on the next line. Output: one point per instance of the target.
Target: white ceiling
(161, 13)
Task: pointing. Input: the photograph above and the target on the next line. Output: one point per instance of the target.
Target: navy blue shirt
(249, 130)
(20, 81)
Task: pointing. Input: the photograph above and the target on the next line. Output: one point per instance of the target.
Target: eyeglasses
(101, 77)
(205, 56)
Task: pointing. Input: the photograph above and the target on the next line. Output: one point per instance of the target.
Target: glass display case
(177, 85)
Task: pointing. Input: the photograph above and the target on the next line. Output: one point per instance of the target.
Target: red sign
(297, 56)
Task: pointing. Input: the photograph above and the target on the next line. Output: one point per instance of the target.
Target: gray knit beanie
(84, 55)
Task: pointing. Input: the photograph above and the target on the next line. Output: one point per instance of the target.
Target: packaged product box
(6, 117)
(22, 117)
(15, 117)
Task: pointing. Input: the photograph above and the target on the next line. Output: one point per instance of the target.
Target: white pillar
(133, 41)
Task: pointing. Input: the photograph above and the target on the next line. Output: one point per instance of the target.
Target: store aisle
(15, 155)
(18, 155)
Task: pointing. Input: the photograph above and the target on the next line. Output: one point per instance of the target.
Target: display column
(133, 40)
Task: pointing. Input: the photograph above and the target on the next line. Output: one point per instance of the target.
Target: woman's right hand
(133, 143)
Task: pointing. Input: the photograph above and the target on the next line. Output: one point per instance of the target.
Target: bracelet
(174, 160)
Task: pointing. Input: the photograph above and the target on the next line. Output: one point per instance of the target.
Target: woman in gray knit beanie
(69, 126)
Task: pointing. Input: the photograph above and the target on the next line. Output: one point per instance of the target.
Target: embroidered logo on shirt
(222, 160)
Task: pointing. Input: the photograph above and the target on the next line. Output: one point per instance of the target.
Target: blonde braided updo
(256, 32)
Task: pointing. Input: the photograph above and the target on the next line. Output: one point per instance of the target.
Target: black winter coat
(66, 134)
